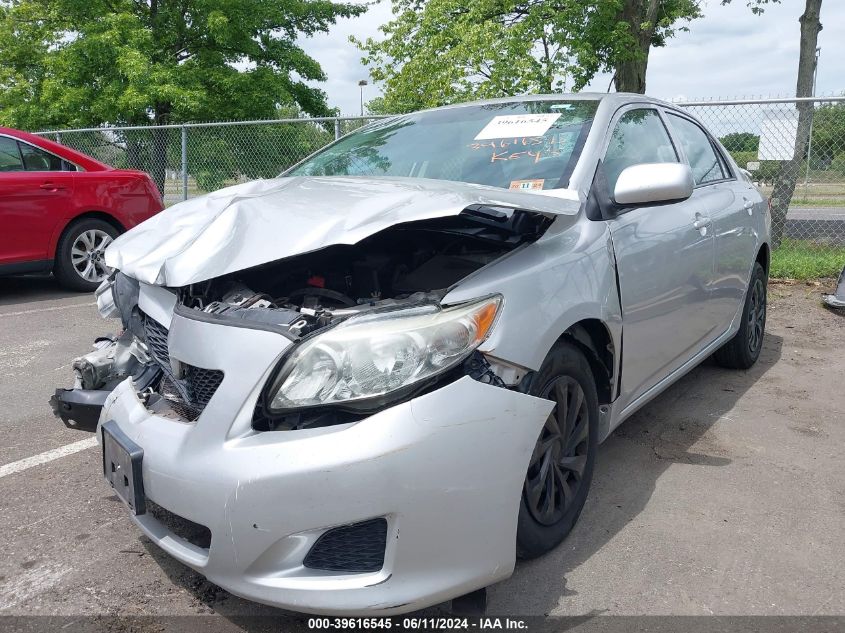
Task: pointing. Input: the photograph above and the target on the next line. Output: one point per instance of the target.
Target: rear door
(664, 257)
(727, 202)
(36, 192)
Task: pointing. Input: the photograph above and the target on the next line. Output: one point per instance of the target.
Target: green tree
(89, 62)
(648, 24)
(741, 142)
(435, 52)
(828, 134)
(784, 184)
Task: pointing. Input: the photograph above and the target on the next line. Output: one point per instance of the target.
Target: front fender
(563, 278)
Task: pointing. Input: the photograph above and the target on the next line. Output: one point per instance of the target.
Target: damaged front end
(394, 278)
(114, 359)
(340, 371)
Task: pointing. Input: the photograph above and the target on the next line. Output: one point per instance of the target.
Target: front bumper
(79, 408)
(445, 470)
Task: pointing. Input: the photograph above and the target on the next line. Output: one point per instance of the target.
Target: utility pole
(361, 85)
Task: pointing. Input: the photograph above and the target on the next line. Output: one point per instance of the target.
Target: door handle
(701, 222)
(51, 186)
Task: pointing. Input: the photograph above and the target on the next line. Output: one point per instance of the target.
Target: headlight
(376, 354)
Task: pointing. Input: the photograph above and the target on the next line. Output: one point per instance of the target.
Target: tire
(542, 526)
(743, 350)
(79, 261)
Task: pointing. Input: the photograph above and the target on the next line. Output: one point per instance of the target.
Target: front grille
(353, 548)
(189, 395)
(201, 384)
(156, 335)
(187, 530)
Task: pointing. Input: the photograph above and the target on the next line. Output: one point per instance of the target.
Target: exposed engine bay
(402, 266)
(405, 264)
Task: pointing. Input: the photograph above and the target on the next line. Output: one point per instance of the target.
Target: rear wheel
(561, 466)
(743, 350)
(80, 262)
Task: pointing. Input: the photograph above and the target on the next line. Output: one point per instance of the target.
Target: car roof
(612, 99)
(62, 151)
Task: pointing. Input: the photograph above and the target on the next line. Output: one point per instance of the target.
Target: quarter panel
(123, 195)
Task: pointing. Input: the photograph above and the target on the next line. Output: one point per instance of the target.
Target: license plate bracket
(122, 467)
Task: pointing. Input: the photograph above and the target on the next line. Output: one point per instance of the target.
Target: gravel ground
(726, 495)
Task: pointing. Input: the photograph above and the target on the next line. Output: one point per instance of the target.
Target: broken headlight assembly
(369, 360)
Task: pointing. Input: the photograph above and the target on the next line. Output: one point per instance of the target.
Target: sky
(729, 53)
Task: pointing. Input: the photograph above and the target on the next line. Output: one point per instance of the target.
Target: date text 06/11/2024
(420, 623)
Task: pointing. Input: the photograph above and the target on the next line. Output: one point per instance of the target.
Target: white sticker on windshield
(513, 125)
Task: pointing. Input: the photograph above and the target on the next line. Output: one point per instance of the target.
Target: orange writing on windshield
(512, 148)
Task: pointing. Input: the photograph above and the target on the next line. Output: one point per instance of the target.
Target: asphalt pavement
(726, 495)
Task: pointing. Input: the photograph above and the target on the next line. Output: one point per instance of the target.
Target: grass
(817, 202)
(800, 259)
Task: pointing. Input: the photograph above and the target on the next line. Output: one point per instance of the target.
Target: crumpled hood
(266, 220)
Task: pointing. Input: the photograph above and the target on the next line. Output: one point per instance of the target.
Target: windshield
(518, 145)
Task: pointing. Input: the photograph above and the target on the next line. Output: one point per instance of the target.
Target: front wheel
(80, 262)
(743, 350)
(561, 466)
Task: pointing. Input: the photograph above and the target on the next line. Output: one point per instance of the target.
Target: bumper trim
(79, 408)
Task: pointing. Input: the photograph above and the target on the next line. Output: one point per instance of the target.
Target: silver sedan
(369, 385)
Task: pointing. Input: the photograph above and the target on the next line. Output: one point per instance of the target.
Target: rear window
(35, 159)
(10, 158)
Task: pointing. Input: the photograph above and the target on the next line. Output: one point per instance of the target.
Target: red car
(59, 209)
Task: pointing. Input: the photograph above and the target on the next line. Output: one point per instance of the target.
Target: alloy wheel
(756, 316)
(557, 464)
(87, 254)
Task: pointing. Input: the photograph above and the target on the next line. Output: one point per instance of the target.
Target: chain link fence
(795, 152)
(195, 158)
(794, 149)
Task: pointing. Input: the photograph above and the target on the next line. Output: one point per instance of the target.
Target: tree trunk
(641, 18)
(784, 186)
(133, 153)
(549, 73)
(630, 75)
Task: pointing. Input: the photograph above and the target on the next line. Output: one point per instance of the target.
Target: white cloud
(728, 53)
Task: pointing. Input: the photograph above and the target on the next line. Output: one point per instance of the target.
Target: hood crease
(268, 220)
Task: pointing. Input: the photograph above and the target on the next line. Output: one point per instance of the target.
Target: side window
(639, 137)
(35, 159)
(706, 165)
(10, 158)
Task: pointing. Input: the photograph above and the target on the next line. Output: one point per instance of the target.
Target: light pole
(361, 85)
(813, 106)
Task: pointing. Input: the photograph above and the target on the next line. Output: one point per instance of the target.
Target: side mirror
(652, 183)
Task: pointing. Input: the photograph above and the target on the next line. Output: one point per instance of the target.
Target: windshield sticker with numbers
(511, 125)
(527, 185)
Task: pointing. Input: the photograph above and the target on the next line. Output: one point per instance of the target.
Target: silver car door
(727, 201)
(664, 257)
